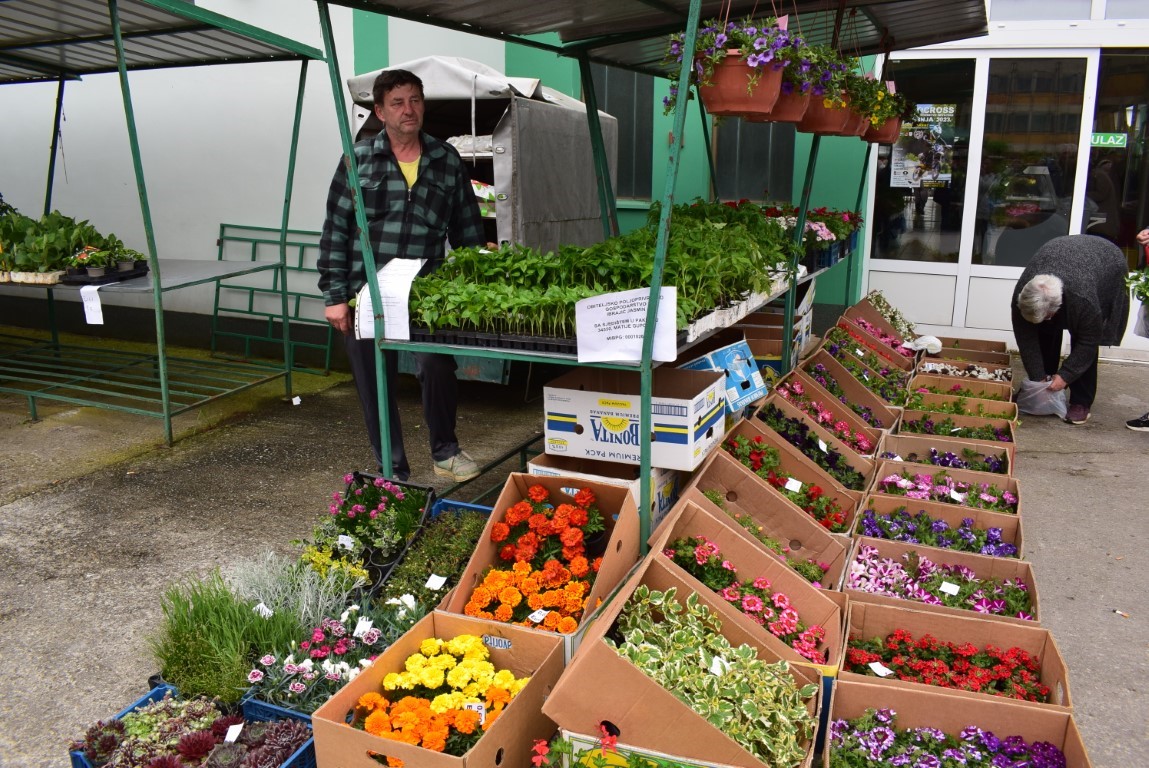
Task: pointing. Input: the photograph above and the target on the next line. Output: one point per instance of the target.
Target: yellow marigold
(415, 662)
(567, 625)
(377, 723)
(443, 661)
(510, 596)
(504, 678)
(430, 647)
(471, 691)
(431, 678)
(468, 646)
(519, 685)
(445, 702)
(459, 676)
(391, 681)
(504, 613)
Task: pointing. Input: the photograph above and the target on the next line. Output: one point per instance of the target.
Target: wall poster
(923, 155)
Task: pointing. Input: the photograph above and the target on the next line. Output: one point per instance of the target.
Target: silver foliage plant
(285, 585)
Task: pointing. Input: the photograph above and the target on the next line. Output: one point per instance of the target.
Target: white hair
(1040, 298)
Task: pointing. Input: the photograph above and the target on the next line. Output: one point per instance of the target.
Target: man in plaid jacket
(416, 195)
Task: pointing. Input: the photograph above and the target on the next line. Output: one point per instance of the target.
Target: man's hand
(1143, 236)
(1057, 383)
(340, 317)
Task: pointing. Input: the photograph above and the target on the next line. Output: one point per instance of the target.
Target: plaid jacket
(403, 223)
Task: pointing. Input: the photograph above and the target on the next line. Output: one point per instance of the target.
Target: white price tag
(858, 351)
(793, 485)
(480, 708)
(93, 313)
(822, 446)
(949, 588)
(896, 457)
(296, 400)
(719, 665)
(955, 429)
(435, 582)
(880, 669)
(538, 615)
(233, 733)
(958, 497)
(345, 541)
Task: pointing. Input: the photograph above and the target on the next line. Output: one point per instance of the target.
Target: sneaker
(1077, 414)
(459, 467)
(1140, 424)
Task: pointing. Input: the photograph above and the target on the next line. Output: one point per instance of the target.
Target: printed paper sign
(793, 485)
(822, 446)
(719, 665)
(858, 351)
(233, 733)
(958, 497)
(394, 280)
(346, 541)
(435, 582)
(880, 669)
(477, 707)
(610, 326)
(93, 312)
(538, 615)
(949, 588)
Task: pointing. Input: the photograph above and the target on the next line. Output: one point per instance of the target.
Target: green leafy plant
(680, 646)
(209, 637)
(287, 585)
(442, 549)
(1138, 283)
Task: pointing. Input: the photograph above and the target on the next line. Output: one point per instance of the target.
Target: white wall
(407, 40)
(214, 144)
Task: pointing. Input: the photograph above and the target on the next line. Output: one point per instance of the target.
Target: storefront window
(1117, 198)
(1028, 10)
(921, 179)
(1029, 155)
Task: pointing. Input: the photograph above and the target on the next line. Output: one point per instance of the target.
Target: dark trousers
(436, 375)
(1084, 389)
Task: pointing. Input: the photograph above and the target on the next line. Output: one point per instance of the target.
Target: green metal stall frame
(169, 33)
(602, 43)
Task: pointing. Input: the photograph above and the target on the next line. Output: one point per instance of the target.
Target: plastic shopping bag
(1037, 399)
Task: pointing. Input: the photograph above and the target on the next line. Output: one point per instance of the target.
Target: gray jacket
(1094, 300)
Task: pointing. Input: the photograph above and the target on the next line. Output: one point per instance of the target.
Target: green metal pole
(55, 146)
(288, 349)
(799, 231)
(663, 239)
(355, 186)
(598, 148)
(706, 143)
(146, 211)
(849, 294)
(50, 294)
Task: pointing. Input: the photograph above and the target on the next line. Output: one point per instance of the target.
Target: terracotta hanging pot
(727, 95)
(885, 133)
(856, 124)
(789, 108)
(827, 121)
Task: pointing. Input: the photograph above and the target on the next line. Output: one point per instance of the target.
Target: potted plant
(737, 67)
(883, 108)
(828, 110)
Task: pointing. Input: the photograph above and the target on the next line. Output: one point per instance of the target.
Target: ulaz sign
(1109, 140)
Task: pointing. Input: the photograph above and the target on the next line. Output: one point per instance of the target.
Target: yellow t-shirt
(410, 171)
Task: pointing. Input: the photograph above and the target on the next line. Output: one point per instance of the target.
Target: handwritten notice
(93, 312)
(610, 326)
(394, 280)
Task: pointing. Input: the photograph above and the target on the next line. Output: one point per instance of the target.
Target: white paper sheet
(610, 326)
(394, 280)
(93, 312)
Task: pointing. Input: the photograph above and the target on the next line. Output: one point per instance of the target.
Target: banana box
(593, 413)
(743, 381)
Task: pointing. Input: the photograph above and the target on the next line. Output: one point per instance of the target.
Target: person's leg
(436, 375)
(1083, 391)
(1049, 337)
(361, 355)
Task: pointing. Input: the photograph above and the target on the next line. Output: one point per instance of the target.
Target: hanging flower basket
(790, 108)
(856, 124)
(827, 121)
(886, 133)
(727, 94)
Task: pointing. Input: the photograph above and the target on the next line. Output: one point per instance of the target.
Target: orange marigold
(517, 513)
(472, 609)
(395, 762)
(579, 517)
(538, 494)
(510, 596)
(553, 598)
(507, 552)
(579, 566)
(567, 625)
(584, 498)
(504, 613)
(521, 569)
(482, 596)
(571, 537)
(594, 566)
(372, 700)
(537, 521)
(465, 720)
(551, 622)
(500, 532)
(535, 601)
(377, 723)
(529, 586)
(497, 695)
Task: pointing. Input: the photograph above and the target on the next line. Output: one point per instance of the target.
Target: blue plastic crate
(304, 757)
(79, 760)
(442, 505)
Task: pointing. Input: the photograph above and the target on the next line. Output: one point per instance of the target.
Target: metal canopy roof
(49, 39)
(632, 33)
